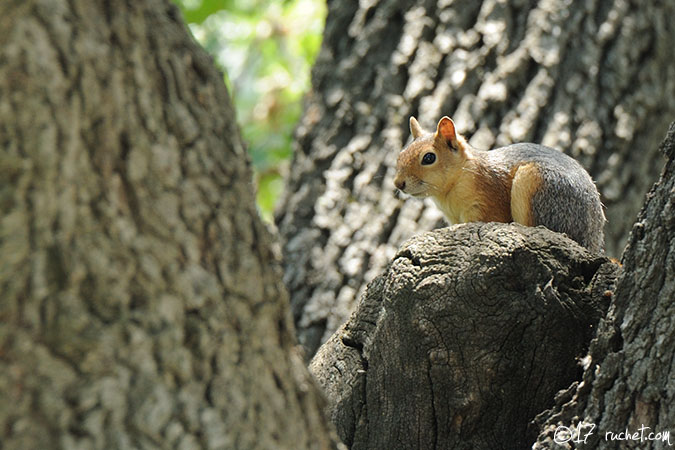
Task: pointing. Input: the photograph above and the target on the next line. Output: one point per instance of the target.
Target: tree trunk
(594, 79)
(629, 373)
(464, 339)
(142, 306)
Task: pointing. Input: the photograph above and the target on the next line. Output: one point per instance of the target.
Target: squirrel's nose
(400, 184)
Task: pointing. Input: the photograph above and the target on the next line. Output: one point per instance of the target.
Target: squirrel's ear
(446, 130)
(415, 128)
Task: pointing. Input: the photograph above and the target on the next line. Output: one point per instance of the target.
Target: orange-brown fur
(494, 189)
(526, 182)
(463, 185)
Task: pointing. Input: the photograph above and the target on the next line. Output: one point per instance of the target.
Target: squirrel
(525, 183)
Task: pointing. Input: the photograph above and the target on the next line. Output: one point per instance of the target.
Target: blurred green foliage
(266, 48)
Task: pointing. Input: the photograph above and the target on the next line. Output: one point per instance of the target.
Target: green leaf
(197, 11)
(266, 48)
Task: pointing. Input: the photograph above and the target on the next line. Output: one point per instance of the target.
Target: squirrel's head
(432, 161)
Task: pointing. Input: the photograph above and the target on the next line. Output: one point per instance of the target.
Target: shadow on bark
(628, 378)
(464, 339)
(593, 79)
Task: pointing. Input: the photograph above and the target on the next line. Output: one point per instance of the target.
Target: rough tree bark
(464, 339)
(594, 79)
(629, 380)
(141, 305)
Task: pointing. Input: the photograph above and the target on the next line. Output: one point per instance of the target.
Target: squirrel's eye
(428, 158)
